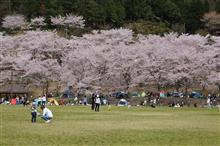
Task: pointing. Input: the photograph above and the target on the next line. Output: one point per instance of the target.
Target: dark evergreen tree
(92, 12)
(218, 6)
(114, 11)
(192, 13)
(137, 9)
(167, 11)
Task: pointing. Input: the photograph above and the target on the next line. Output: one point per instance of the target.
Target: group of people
(41, 100)
(15, 101)
(46, 116)
(47, 113)
(96, 102)
(211, 100)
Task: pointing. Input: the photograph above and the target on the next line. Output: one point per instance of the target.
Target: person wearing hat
(47, 114)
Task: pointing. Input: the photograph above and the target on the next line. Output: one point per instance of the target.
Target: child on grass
(33, 113)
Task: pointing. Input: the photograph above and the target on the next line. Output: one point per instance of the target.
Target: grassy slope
(120, 126)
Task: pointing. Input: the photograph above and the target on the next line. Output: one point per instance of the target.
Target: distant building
(13, 90)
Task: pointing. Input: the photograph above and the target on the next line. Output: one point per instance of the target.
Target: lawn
(135, 126)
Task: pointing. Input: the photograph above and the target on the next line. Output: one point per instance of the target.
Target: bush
(146, 27)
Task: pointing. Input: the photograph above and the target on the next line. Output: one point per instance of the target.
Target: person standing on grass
(208, 101)
(93, 101)
(39, 101)
(44, 99)
(33, 113)
(97, 103)
(47, 114)
(25, 102)
(85, 100)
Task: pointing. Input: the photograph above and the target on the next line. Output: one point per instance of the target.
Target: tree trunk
(57, 90)
(177, 87)
(218, 87)
(42, 8)
(47, 88)
(203, 89)
(186, 89)
(43, 89)
(158, 86)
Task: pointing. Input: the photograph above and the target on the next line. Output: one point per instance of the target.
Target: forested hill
(142, 16)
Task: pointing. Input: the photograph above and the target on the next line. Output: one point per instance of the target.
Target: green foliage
(192, 12)
(34, 8)
(147, 27)
(116, 13)
(114, 10)
(137, 9)
(218, 6)
(167, 11)
(31, 8)
(67, 6)
(92, 12)
(67, 33)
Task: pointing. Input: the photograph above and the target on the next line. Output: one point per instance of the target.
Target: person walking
(25, 101)
(47, 114)
(97, 103)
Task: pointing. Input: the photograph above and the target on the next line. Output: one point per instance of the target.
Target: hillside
(143, 16)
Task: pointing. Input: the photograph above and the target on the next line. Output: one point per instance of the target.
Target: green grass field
(136, 126)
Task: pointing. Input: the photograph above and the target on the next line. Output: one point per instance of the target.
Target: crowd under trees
(142, 16)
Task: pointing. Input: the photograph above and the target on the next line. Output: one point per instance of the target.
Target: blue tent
(68, 94)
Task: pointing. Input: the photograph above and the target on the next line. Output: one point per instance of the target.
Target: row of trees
(111, 58)
(18, 22)
(160, 15)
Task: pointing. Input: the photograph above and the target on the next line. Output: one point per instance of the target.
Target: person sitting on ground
(195, 105)
(47, 114)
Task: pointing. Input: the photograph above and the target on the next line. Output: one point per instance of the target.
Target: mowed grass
(135, 126)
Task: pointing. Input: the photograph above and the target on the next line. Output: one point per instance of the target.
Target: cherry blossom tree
(38, 60)
(57, 20)
(38, 22)
(68, 21)
(214, 78)
(14, 22)
(111, 58)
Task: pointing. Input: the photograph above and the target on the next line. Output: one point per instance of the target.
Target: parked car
(196, 95)
(135, 94)
(177, 94)
(120, 94)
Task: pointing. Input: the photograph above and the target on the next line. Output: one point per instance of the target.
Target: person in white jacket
(47, 114)
(97, 103)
